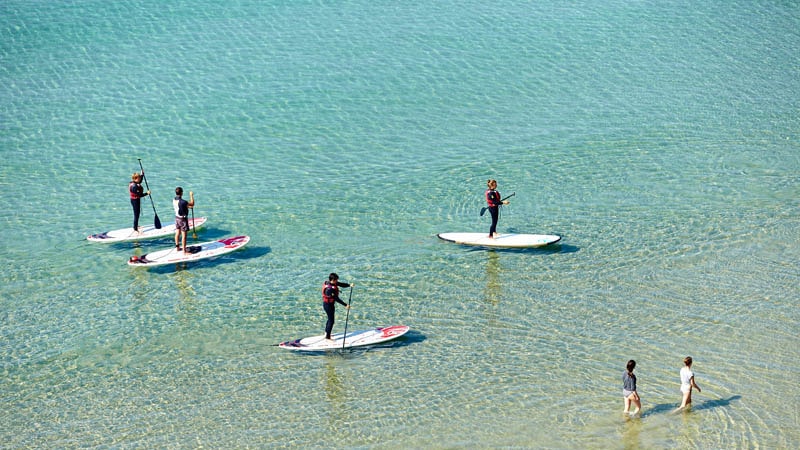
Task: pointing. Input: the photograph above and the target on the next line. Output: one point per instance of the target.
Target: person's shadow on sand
(708, 404)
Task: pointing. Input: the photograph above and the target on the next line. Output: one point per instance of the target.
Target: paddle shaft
(483, 210)
(194, 233)
(349, 300)
(156, 220)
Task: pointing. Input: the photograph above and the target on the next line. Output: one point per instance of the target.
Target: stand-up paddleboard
(508, 240)
(196, 252)
(353, 339)
(148, 232)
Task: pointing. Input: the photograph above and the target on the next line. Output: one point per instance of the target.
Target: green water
(660, 139)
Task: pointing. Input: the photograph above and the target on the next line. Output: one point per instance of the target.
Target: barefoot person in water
(687, 383)
(629, 393)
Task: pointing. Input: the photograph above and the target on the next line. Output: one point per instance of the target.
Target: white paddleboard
(196, 252)
(148, 232)
(353, 339)
(507, 240)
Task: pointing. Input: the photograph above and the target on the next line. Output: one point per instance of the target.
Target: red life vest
(329, 298)
(492, 197)
(136, 190)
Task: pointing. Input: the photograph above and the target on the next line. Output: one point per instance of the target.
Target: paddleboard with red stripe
(353, 339)
(194, 252)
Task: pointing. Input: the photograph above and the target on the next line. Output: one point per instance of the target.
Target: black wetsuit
(330, 296)
(493, 201)
(137, 192)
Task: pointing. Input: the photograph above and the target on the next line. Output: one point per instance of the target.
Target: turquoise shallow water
(660, 139)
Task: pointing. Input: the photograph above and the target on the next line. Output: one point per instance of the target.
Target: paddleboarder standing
(493, 202)
(330, 296)
(136, 192)
(181, 217)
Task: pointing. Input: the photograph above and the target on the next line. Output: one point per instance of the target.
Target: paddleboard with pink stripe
(353, 339)
(507, 240)
(195, 252)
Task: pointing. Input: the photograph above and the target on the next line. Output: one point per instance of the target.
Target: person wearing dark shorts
(330, 296)
(181, 207)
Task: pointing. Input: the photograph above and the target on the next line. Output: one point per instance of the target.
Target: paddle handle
(508, 197)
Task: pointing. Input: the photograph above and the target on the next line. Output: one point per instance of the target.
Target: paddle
(194, 233)
(483, 210)
(156, 220)
(349, 300)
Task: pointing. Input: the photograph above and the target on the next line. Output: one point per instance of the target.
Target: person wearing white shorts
(687, 382)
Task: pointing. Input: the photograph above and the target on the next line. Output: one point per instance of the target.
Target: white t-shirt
(686, 378)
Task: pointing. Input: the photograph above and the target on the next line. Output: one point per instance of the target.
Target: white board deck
(508, 240)
(148, 232)
(200, 251)
(353, 339)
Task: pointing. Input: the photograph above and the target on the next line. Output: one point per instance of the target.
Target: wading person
(629, 393)
(687, 383)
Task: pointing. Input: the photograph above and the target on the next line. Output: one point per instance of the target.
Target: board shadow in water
(546, 250)
(212, 234)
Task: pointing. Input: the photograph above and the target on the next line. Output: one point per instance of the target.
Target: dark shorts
(182, 223)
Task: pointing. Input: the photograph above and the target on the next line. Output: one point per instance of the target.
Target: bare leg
(637, 402)
(687, 399)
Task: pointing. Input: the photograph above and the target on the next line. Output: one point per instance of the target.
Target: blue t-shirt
(628, 381)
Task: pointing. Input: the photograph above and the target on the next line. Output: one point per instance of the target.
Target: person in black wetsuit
(136, 192)
(330, 296)
(493, 201)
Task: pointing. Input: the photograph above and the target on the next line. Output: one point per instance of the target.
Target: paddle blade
(483, 211)
(157, 222)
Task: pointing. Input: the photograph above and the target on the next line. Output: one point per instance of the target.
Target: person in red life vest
(136, 192)
(493, 201)
(330, 297)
